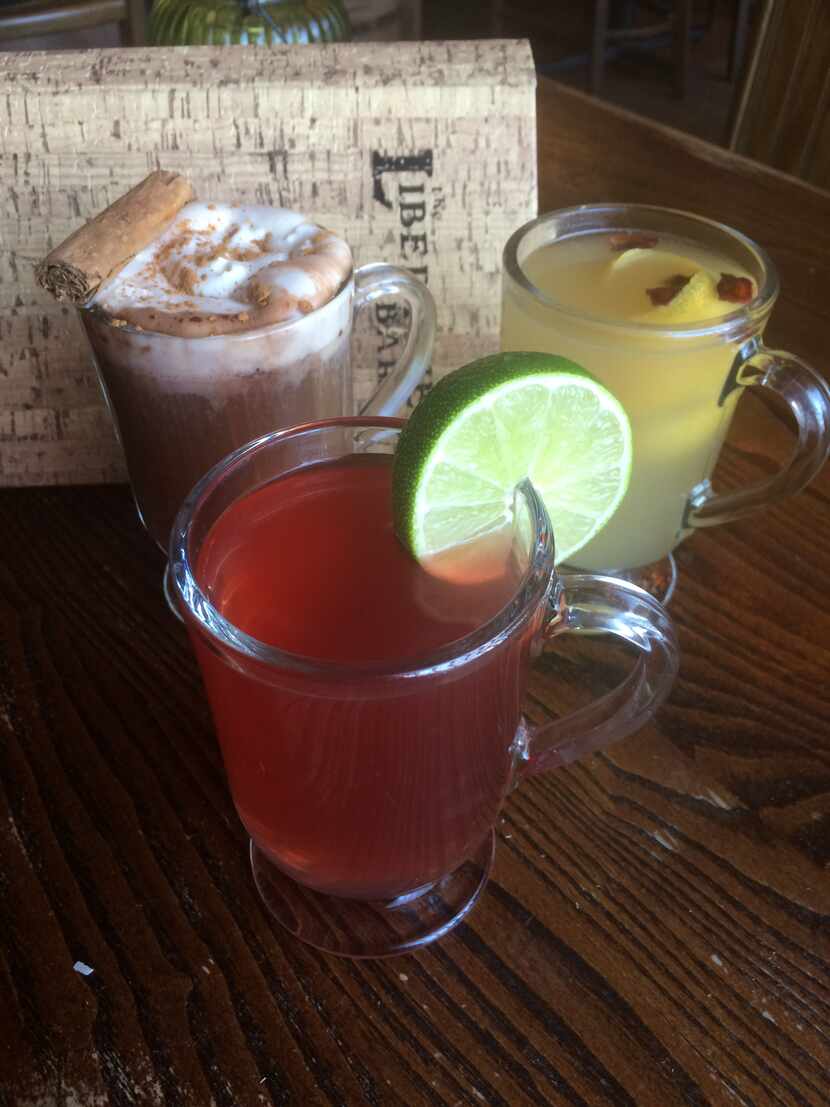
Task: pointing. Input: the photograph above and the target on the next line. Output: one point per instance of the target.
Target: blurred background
(751, 75)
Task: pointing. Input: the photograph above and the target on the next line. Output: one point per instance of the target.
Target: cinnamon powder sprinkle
(259, 293)
(305, 306)
(176, 244)
(212, 251)
(244, 253)
(186, 280)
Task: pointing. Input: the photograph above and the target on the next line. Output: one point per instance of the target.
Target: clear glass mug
(679, 385)
(370, 791)
(181, 404)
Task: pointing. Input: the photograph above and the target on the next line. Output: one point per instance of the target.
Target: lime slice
(484, 428)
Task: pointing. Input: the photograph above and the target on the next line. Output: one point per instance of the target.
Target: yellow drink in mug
(667, 310)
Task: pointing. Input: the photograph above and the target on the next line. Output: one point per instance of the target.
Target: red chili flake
(737, 290)
(632, 240)
(666, 292)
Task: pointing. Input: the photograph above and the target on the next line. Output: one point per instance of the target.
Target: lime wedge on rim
(490, 424)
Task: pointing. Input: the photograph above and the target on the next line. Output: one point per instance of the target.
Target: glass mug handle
(378, 280)
(587, 604)
(808, 398)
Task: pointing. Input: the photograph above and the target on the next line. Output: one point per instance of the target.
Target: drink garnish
(489, 425)
(73, 271)
(688, 293)
(737, 290)
(666, 292)
(632, 240)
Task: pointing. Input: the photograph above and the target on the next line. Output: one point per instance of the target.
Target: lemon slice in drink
(487, 426)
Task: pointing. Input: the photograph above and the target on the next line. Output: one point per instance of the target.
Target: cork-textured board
(421, 154)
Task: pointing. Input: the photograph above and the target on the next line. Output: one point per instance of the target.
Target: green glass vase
(247, 22)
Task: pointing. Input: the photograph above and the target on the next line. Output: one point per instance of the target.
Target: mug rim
(757, 308)
(538, 579)
(90, 308)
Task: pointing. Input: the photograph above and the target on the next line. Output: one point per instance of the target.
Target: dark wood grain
(656, 932)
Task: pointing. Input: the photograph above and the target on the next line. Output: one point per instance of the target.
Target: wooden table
(656, 930)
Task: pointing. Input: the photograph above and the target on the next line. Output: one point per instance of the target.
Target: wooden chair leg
(737, 45)
(682, 44)
(598, 45)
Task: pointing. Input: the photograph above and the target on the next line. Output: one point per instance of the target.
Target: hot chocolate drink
(233, 322)
(213, 324)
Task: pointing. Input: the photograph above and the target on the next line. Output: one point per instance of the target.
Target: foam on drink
(231, 323)
(223, 269)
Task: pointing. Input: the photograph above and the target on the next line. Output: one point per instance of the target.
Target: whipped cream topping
(220, 268)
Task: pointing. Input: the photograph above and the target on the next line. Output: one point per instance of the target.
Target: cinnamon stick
(76, 269)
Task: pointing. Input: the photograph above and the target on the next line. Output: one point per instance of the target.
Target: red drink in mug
(369, 712)
(390, 782)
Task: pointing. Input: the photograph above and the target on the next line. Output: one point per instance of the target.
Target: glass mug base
(354, 928)
(658, 578)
